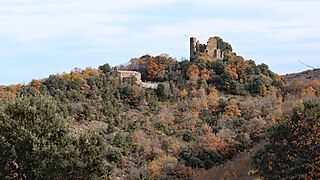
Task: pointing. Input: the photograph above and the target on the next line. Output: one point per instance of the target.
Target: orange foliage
(213, 98)
(9, 91)
(232, 71)
(193, 72)
(36, 84)
(152, 68)
(212, 141)
(206, 74)
(183, 94)
(312, 88)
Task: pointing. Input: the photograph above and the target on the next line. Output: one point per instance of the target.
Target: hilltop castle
(211, 48)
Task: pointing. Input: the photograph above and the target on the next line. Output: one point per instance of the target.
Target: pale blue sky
(43, 37)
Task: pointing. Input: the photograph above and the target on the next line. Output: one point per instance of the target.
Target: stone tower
(193, 47)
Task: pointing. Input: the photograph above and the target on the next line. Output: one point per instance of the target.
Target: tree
(232, 108)
(152, 68)
(293, 151)
(36, 143)
(163, 91)
(224, 46)
(193, 72)
(105, 68)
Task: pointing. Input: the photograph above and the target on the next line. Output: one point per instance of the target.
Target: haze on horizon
(39, 38)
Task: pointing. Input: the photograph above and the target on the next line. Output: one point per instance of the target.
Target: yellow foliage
(309, 90)
(265, 90)
(312, 88)
(277, 77)
(201, 92)
(232, 108)
(183, 94)
(204, 57)
(206, 74)
(195, 114)
(213, 98)
(90, 72)
(18, 86)
(65, 76)
(36, 84)
(232, 71)
(159, 163)
(206, 128)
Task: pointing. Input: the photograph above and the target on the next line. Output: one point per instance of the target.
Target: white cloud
(122, 29)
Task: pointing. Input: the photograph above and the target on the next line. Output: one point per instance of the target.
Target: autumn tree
(152, 68)
(232, 108)
(293, 149)
(193, 72)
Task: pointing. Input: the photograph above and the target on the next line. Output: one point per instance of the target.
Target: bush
(119, 140)
(114, 156)
(160, 126)
(195, 163)
(210, 158)
(188, 136)
(186, 153)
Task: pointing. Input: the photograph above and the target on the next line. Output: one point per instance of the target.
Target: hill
(202, 114)
(305, 75)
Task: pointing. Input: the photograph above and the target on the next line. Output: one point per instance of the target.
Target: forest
(90, 124)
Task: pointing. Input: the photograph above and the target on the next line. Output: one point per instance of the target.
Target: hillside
(91, 124)
(305, 75)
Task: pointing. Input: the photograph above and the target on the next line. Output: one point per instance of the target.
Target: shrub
(210, 158)
(160, 126)
(195, 163)
(186, 153)
(119, 140)
(114, 156)
(188, 136)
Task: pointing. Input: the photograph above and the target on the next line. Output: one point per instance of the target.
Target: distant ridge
(308, 75)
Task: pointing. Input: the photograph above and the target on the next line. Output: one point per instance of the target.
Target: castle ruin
(211, 48)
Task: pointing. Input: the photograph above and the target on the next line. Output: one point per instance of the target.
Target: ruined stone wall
(211, 48)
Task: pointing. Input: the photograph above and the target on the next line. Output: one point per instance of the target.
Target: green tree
(105, 68)
(36, 143)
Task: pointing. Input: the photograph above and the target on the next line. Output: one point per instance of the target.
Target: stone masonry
(127, 74)
(211, 48)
